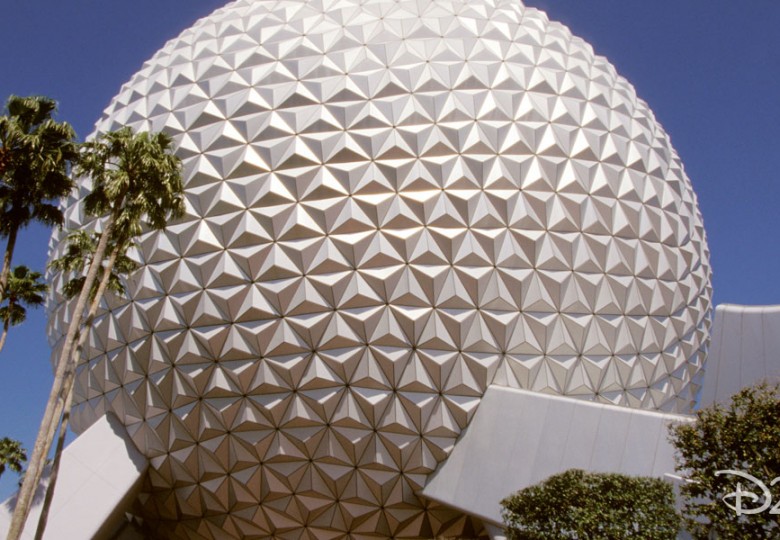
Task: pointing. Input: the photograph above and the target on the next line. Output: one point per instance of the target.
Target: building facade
(391, 207)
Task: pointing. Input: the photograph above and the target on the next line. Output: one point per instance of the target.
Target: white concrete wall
(518, 438)
(745, 350)
(100, 475)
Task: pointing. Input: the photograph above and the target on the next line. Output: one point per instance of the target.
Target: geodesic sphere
(391, 205)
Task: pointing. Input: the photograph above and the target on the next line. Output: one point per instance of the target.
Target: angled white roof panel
(745, 350)
(519, 438)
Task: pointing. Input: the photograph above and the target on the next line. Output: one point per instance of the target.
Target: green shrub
(742, 436)
(594, 506)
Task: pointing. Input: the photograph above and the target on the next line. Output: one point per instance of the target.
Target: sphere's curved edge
(390, 207)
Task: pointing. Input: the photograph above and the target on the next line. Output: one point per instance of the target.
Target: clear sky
(710, 70)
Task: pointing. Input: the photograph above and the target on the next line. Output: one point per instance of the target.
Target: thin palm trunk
(67, 388)
(6, 324)
(121, 165)
(9, 253)
(57, 397)
(55, 469)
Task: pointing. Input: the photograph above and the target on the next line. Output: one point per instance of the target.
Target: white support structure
(100, 476)
(519, 438)
(745, 350)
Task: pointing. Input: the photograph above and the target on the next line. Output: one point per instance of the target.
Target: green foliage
(593, 506)
(134, 175)
(77, 258)
(35, 156)
(12, 455)
(136, 181)
(742, 436)
(25, 288)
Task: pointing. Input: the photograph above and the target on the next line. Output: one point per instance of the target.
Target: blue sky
(710, 71)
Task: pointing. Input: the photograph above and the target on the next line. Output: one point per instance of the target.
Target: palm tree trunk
(57, 398)
(9, 253)
(6, 324)
(67, 388)
(55, 469)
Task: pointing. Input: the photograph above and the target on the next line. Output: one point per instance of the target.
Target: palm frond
(78, 256)
(37, 153)
(12, 455)
(135, 178)
(24, 288)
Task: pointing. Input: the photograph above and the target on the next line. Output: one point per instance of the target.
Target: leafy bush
(594, 506)
(742, 436)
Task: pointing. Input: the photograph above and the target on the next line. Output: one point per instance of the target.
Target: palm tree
(12, 455)
(35, 156)
(24, 288)
(135, 178)
(78, 256)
